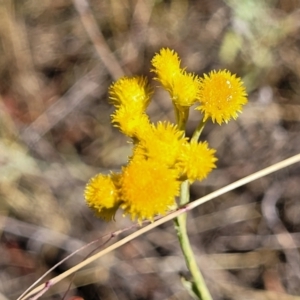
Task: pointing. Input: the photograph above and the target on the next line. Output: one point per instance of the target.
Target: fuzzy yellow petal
(132, 92)
(222, 96)
(197, 160)
(148, 188)
(131, 121)
(185, 89)
(101, 195)
(166, 66)
(163, 143)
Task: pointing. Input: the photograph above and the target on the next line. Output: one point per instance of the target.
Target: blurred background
(57, 60)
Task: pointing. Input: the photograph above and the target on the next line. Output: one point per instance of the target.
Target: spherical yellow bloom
(222, 96)
(163, 143)
(185, 89)
(131, 121)
(148, 188)
(101, 194)
(166, 66)
(132, 92)
(197, 161)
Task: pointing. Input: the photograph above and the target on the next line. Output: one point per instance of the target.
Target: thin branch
(85, 87)
(90, 25)
(109, 236)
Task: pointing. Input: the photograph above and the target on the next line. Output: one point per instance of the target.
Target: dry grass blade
(44, 287)
(97, 38)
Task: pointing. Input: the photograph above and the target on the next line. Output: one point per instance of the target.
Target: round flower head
(163, 143)
(196, 161)
(148, 188)
(132, 92)
(222, 96)
(131, 121)
(185, 89)
(166, 66)
(101, 195)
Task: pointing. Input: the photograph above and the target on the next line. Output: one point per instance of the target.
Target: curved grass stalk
(182, 210)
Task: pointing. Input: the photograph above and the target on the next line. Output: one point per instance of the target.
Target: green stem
(198, 131)
(199, 286)
(182, 114)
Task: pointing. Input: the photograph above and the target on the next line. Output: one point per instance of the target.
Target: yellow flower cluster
(131, 97)
(162, 156)
(182, 86)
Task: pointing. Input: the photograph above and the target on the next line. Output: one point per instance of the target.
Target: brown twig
(91, 27)
(285, 239)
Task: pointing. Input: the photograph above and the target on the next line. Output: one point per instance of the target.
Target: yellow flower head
(222, 96)
(132, 92)
(131, 121)
(185, 89)
(101, 194)
(197, 161)
(166, 66)
(163, 143)
(148, 188)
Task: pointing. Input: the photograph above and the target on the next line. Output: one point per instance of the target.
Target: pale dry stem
(275, 167)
